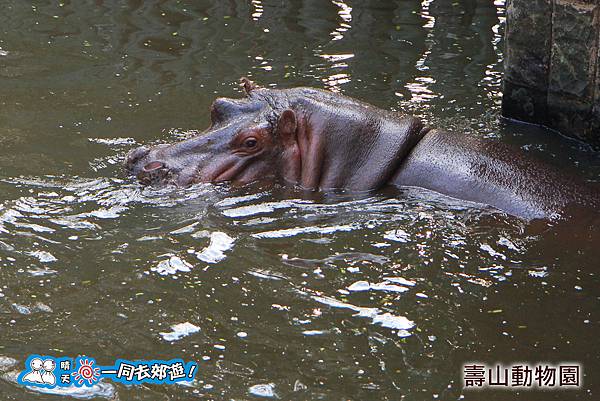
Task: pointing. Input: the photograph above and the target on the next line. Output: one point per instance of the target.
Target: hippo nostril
(136, 155)
(153, 172)
(152, 166)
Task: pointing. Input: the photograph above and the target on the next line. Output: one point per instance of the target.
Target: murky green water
(330, 297)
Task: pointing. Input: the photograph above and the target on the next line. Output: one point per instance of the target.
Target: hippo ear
(286, 125)
(248, 85)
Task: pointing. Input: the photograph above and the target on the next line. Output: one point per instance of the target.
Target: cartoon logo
(39, 372)
(43, 371)
(86, 372)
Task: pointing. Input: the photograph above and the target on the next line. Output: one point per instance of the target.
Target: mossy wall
(552, 65)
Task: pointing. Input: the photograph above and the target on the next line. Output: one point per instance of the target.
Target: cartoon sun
(86, 372)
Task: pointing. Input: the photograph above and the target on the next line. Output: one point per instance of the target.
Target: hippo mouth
(149, 172)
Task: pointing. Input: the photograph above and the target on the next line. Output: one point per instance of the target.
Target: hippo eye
(250, 142)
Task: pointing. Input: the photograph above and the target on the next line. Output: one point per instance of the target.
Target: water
(274, 293)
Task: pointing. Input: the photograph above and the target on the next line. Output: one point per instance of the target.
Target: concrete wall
(552, 65)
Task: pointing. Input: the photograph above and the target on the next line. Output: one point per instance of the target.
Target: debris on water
(263, 390)
(107, 213)
(538, 273)
(264, 274)
(508, 243)
(113, 141)
(180, 330)
(22, 309)
(313, 332)
(171, 266)
(28, 310)
(291, 232)
(383, 286)
(149, 238)
(42, 307)
(215, 251)
(299, 386)
(397, 235)
(7, 363)
(385, 320)
(400, 280)
(43, 256)
(261, 208)
(242, 334)
(39, 271)
(394, 322)
(491, 251)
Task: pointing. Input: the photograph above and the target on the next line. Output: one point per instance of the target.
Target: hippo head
(305, 136)
(245, 142)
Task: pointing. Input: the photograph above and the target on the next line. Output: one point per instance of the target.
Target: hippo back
(492, 173)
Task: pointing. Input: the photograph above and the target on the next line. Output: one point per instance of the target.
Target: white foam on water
(393, 322)
(397, 235)
(400, 280)
(263, 390)
(35, 227)
(387, 320)
(492, 251)
(107, 213)
(389, 284)
(215, 251)
(113, 141)
(260, 208)
(313, 332)
(43, 256)
(171, 266)
(180, 330)
(292, 232)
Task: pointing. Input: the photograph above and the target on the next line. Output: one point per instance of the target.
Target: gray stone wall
(552, 65)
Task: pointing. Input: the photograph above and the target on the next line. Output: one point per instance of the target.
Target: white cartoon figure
(48, 376)
(34, 376)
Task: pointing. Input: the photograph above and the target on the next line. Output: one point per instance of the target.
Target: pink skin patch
(153, 166)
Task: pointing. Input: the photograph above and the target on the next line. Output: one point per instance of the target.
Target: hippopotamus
(320, 141)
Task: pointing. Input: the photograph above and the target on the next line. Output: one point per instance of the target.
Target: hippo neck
(351, 145)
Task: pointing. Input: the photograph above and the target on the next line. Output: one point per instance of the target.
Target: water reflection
(345, 14)
(258, 10)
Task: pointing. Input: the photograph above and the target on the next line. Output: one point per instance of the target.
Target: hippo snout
(146, 170)
(152, 172)
(134, 156)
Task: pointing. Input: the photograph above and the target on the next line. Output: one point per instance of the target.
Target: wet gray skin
(303, 136)
(320, 140)
(234, 146)
(297, 294)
